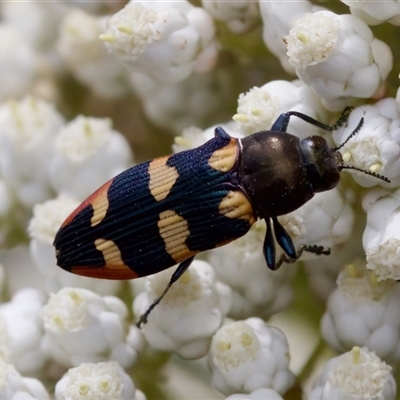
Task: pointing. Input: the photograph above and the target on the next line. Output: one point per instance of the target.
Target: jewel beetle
(164, 211)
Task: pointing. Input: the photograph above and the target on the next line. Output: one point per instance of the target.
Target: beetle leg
(269, 246)
(283, 121)
(283, 238)
(319, 250)
(182, 267)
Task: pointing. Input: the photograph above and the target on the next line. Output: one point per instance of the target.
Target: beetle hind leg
(182, 267)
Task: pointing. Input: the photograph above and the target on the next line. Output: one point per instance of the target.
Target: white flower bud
(86, 56)
(88, 153)
(376, 12)
(325, 220)
(169, 41)
(357, 374)
(259, 108)
(18, 63)
(338, 57)
(277, 20)
(249, 355)
(179, 105)
(28, 129)
(348, 318)
(101, 381)
(381, 239)
(189, 314)
(46, 221)
(37, 21)
(322, 272)
(82, 326)
(259, 394)
(240, 16)
(22, 331)
(13, 386)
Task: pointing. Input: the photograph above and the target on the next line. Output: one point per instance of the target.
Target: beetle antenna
(346, 166)
(364, 171)
(358, 127)
(342, 120)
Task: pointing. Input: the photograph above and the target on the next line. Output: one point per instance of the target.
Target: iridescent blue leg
(283, 238)
(269, 246)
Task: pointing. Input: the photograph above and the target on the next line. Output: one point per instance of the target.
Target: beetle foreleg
(283, 121)
(182, 267)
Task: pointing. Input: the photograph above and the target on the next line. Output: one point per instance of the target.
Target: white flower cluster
(13, 386)
(240, 16)
(349, 377)
(73, 317)
(168, 41)
(85, 55)
(22, 331)
(381, 236)
(278, 18)
(374, 13)
(178, 105)
(338, 57)
(362, 311)
(100, 381)
(260, 107)
(68, 69)
(250, 355)
(376, 147)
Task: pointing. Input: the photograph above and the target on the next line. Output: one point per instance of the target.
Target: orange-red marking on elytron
(99, 201)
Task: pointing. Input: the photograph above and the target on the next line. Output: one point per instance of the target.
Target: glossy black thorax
(273, 174)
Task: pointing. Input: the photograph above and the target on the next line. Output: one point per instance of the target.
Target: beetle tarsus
(315, 249)
(343, 118)
(182, 267)
(318, 250)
